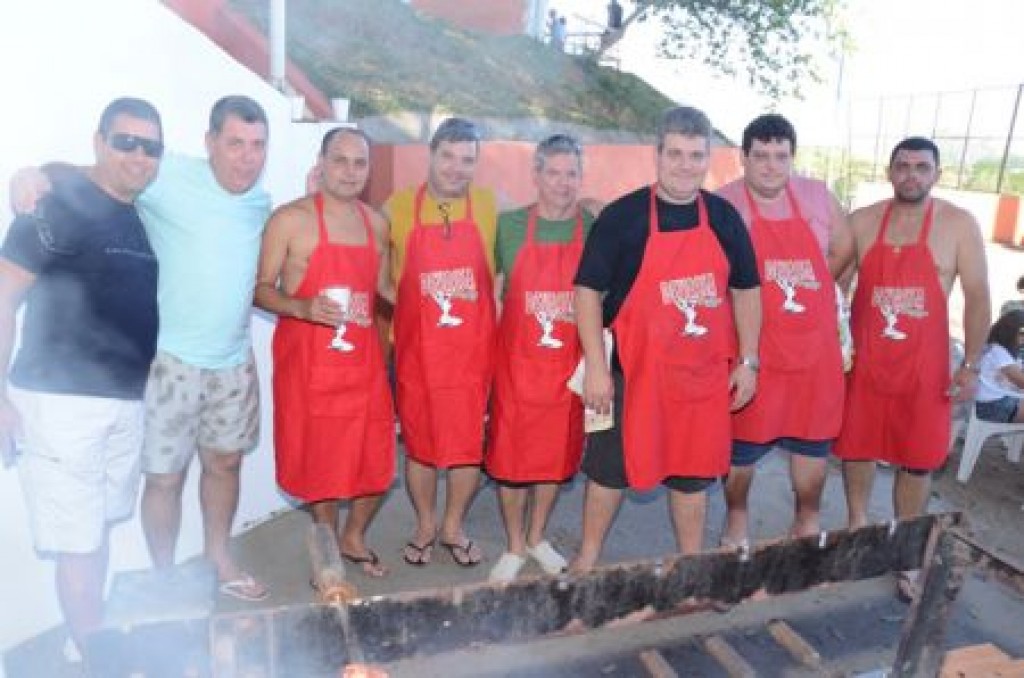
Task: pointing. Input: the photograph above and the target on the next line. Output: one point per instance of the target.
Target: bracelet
(752, 362)
(970, 367)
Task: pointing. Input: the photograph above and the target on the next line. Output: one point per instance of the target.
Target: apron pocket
(690, 383)
(792, 350)
(455, 363)
(541, 382)
(338, 392)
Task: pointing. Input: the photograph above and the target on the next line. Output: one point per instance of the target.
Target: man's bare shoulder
(293, 215)
(378, 221)
(868, 216)
(953, 215)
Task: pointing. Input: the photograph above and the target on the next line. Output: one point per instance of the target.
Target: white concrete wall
(64, 60)
(982, 205)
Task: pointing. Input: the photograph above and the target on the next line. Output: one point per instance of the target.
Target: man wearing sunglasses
(83, 265)
(442, 244)
(204, 218)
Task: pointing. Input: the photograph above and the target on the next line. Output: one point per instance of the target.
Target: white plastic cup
(342, 296)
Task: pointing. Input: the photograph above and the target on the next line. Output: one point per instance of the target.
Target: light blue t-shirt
(207, 242)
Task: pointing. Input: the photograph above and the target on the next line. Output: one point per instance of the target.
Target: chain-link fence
(980, 145)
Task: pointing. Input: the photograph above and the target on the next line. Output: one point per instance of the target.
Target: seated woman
(1001, 379)
(1014, 304)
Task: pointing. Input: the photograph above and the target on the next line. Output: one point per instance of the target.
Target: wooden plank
(327, 569)
(1004, 568)
(656, 664)
(728, 658)
(920, 651)
(794, 644)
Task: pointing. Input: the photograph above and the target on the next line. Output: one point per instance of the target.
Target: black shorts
(603, 462)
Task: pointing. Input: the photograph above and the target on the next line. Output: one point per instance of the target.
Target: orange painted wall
(499, 17)
(609, 170)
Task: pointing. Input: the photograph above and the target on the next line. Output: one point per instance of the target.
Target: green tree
(773, 42)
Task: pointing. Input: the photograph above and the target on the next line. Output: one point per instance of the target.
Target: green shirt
(512, 234)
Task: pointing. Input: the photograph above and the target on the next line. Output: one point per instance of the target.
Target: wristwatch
(970, 367)
(750, 361)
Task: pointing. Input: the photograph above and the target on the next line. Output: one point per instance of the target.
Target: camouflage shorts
(189, 407)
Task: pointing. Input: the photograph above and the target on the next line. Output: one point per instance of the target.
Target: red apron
(897, 408)
(800, 387)
(444, 341)
(536, 429)
(334, 434)
(676, 340)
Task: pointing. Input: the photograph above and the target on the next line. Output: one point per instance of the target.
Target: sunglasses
(128, 143)
(445, 208)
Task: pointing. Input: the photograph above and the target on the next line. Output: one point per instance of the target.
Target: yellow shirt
(399, 208)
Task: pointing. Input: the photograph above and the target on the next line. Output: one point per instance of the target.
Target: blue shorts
(1003, 410)
(747, 454)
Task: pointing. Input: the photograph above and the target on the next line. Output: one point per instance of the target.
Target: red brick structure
(499, 17)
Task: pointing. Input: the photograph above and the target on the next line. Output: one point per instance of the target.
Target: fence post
(967, 140)
(1009, 140)
(878, 138)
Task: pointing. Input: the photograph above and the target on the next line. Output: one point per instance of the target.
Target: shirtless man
(321, 266)
(909, 251)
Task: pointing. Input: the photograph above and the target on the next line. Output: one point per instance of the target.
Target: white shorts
(79, 467)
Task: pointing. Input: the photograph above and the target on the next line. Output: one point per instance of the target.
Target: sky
(901, 47)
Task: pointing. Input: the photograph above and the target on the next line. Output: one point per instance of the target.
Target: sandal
(370, 563)
(417, 555)
(245, 587)
(462, 553)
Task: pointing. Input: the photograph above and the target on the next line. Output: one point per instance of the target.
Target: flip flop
(462, 553)
(369, 564)
(738, 546)
(245, 587)
(420, 554)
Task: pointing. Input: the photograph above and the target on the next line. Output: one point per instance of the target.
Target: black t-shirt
(615, 247)
(91, 319)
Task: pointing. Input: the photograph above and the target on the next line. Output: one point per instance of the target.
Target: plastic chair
(978, 431)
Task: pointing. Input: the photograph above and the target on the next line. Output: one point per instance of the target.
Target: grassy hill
(386, 57)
